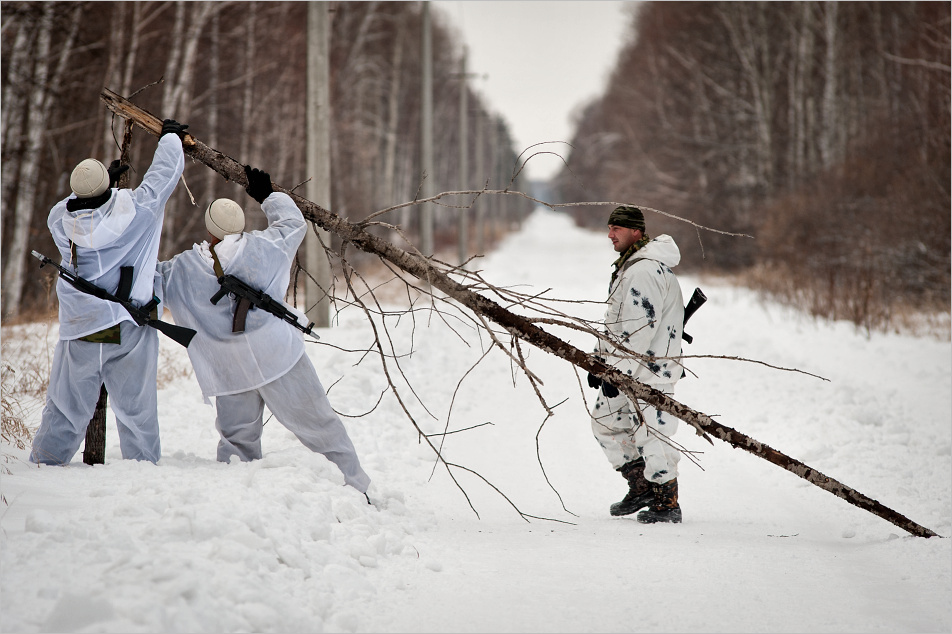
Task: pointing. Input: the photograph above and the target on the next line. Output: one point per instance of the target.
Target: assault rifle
(140, 314)
(696, 301)
(248, 298)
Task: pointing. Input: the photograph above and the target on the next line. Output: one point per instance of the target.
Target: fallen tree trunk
(425, 270)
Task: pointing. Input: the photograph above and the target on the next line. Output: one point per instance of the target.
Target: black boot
(664, 506)
(639, 490)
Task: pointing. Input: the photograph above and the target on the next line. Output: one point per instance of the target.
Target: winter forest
(798, 152)
(819, 129)
(235, 72)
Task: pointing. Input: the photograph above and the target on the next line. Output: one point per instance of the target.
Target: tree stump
(95, 450)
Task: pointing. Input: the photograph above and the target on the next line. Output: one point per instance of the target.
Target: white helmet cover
(89, 179)
(224, 217)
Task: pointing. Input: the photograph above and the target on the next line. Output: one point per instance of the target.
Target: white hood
(661, 249)
(100, 227)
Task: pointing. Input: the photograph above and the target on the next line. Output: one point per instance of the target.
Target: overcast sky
(544, 59)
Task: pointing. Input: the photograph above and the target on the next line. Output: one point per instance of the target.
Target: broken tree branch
(429, 272)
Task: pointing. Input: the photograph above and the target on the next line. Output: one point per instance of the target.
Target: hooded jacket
(226, 362)
(645, 314)
(124, 231)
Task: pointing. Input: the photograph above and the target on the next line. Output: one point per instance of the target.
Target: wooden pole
(317, 289)
(463, 218)
(426, 137)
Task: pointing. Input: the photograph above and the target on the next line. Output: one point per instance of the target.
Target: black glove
(594, 381)
(171, 126)
(259, 184)
(609, 390)
(115, 171)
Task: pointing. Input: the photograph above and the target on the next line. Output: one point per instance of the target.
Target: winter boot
(664, 506)
(639, 490)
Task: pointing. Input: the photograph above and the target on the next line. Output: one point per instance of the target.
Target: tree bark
(40, 104)
(830, 131)
(248, 85)
(29, 168)
(95, 450)
(520, 327)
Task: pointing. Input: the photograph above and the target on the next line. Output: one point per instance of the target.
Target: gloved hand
(115, 171)
(609, 390)
(594, 381)
(259, 184)
(171, 126)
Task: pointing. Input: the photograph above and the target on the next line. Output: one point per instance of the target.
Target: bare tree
(46, 77)
(764, 117)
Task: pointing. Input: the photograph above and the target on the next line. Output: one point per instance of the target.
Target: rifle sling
(242, 306)
(216, 263)
(110, 334)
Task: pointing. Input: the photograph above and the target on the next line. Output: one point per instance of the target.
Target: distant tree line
(236, 73)
(820, 128)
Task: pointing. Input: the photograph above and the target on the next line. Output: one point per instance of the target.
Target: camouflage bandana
(626, 255)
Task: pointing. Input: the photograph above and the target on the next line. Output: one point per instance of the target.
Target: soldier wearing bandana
(645, 316)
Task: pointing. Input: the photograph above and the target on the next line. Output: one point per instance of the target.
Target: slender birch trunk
(831, 125)
(393, 118)
(248, 89)
(40, 104)
(13, 111)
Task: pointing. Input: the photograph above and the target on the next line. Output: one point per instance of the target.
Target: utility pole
(502, 165)
(463, 218)
(316, 290)
(464, 175)
(481, 171)
(426, 140)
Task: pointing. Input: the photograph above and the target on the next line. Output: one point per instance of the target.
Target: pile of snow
(281, 545)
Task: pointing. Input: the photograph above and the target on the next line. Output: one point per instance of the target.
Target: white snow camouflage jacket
(125, 231)
(226, 362)
(646, 315)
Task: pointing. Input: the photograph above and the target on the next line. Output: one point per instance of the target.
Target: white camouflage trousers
(79, 368)
(623, 438)
(299, 402)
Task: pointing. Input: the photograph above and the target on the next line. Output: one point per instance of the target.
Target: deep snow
(192, 545)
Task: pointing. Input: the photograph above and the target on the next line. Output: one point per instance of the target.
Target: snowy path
(279, 545)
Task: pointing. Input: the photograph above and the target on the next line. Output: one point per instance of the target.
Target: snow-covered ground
(280, 545)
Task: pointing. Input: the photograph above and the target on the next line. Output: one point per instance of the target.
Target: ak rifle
(248, 298)
(142, 315)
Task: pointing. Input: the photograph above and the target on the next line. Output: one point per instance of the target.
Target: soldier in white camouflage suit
(645, 315)
(99, 230)
(263, 363)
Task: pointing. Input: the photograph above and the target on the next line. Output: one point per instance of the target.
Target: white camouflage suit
(265, 364)
(124, 231)
(646, 315)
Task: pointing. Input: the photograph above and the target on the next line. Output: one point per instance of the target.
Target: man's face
(623, 237)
